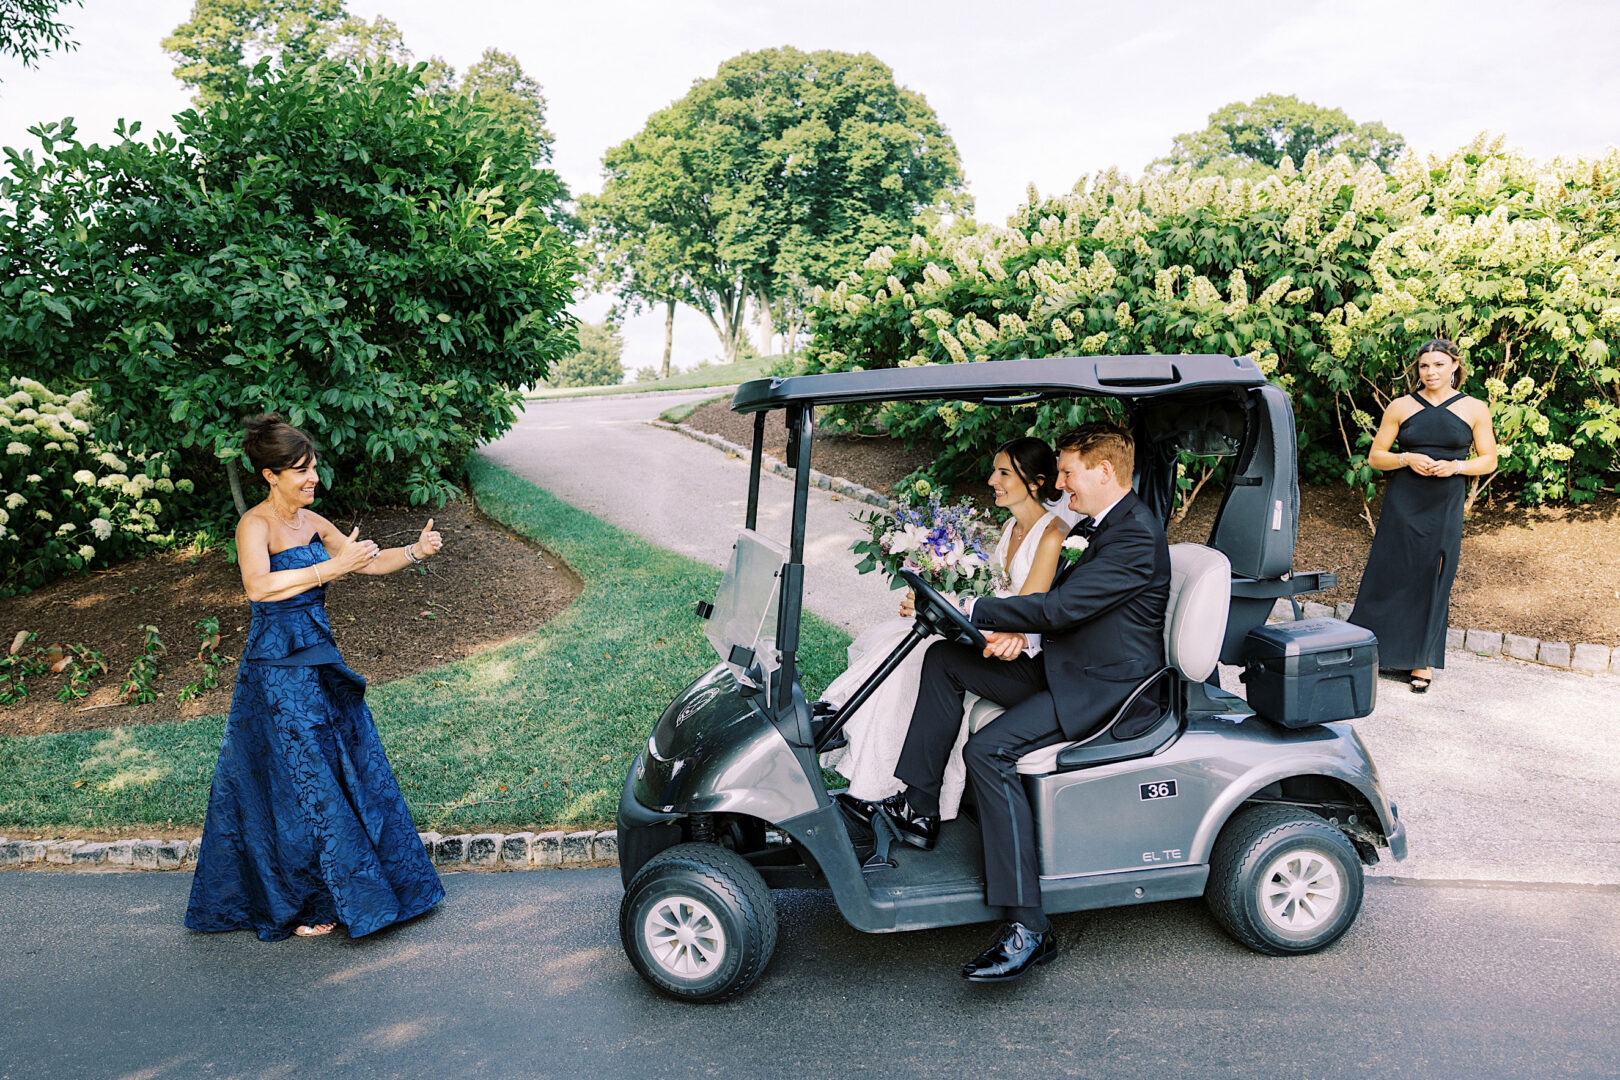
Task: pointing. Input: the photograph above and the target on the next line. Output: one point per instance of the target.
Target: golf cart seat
(1194, 627)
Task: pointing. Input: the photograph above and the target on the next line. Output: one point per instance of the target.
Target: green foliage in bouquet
(67, 502)
(369, 259)
(1327, 275)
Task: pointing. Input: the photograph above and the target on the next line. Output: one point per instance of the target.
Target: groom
(1102, 627)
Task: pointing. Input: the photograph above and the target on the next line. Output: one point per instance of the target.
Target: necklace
(293, 524)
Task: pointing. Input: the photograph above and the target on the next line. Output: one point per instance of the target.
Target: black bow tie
(1085, 527)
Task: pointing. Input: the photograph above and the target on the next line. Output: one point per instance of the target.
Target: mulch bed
(486, 586)
(1551, 573)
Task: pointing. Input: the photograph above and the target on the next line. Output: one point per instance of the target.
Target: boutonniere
(1073, 548)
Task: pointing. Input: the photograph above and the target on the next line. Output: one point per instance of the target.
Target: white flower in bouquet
(1074, 547)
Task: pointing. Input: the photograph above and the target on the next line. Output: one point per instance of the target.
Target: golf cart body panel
(716, 751)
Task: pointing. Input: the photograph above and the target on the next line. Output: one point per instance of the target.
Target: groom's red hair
(1102, 440)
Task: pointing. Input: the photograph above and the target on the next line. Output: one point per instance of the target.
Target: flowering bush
(1326, 275)
(952, 548)
(67, 502)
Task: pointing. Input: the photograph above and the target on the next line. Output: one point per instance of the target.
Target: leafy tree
(332, 244)
(1328, 277)
(29, 29)
(784, 167)
(596, 363)
(502, 87)
(1251, 138)
(224, 38)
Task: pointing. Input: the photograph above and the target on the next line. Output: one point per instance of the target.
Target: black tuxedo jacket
(1101, 623)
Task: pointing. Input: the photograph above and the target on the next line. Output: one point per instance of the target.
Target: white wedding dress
(878, 730)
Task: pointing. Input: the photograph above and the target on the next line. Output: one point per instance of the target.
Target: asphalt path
(1503, 771)
(601, 455)
(522, 975)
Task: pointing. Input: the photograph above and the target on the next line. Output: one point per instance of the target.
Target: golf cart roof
(1096, 376)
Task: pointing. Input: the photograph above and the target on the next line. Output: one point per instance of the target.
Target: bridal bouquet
(952, 548)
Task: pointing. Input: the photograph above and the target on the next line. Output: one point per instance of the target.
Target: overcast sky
(1038, 91)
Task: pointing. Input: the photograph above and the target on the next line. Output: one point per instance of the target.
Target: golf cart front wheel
(1283, 880)
(698, 922)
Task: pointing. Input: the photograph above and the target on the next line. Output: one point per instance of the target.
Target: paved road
(522, 975)
(600, 455)
(1504, 770)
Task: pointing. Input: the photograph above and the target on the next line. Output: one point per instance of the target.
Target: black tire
(698, 922)
(1283, 881)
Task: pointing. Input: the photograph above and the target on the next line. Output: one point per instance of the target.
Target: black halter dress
(1405, 593)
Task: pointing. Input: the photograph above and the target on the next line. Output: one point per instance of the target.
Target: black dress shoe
(859, 809)
(1015, 950)
(914, 828)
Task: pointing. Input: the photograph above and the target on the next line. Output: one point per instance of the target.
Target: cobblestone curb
(1587, 657)
(480, 851)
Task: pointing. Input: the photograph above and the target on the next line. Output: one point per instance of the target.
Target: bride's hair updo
(274, 444)
(1034, 463)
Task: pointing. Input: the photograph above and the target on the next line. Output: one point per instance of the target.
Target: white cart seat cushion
(1194, 628)
(1195, 618)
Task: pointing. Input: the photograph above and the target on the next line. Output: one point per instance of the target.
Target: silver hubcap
(1300, 891)
(684, 937)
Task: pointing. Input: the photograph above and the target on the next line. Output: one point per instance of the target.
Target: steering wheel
(941, 616)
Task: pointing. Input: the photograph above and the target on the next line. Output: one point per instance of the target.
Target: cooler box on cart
(1313, 671)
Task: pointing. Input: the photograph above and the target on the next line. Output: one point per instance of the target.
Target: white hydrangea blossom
(84, 476)
(67, 528)
(101, 527)
(15, 500)
(86, 552)
(17, 449)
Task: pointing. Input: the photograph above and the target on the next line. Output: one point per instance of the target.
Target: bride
(1023, 479)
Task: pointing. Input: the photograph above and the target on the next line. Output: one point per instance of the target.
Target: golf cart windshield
(742, 627)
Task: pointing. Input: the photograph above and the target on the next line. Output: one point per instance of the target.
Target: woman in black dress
(1405, 594)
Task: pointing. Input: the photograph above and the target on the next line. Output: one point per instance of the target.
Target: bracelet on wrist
(410, 553)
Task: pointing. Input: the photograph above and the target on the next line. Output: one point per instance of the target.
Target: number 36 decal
(1159, 789)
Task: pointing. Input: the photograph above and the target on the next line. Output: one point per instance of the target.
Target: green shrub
(70, 503)
(368, 258)
(1327, 276)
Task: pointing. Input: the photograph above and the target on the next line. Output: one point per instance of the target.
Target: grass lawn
(676, 414)
(714, 375)
(537, 732)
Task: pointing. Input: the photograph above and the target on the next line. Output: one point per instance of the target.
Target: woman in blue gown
(306, 826)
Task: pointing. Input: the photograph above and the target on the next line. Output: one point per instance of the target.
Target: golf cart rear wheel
(1283, 880)
(698, 922)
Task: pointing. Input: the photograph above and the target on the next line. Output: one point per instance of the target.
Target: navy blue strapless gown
(306, 823)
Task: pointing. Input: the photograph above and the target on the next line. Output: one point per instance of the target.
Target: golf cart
(1267, 808)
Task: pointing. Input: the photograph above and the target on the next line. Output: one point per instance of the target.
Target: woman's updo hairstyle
(1033, 462)
(1439, 345)
(274, 444)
